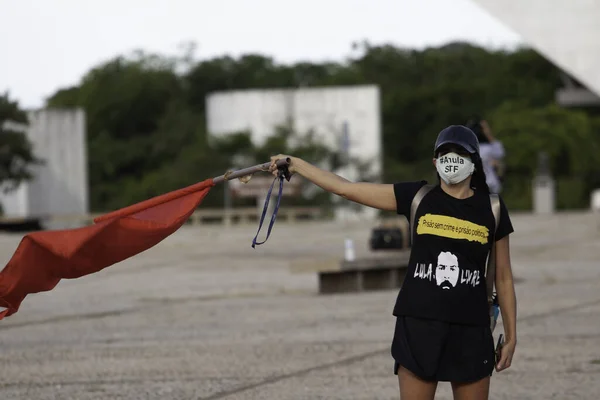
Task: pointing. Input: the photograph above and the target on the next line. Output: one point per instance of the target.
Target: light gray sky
(49, 44)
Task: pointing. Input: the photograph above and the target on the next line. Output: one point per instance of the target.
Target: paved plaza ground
(205, 316)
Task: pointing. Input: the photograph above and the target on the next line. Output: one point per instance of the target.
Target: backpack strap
(491, 264)
(413, 208)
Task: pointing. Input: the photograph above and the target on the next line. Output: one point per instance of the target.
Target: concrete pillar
(544, 188)
(595, 205)
(544, 195)
(595, 200)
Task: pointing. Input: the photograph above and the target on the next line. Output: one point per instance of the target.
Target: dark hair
(478, 179)
(474, 124)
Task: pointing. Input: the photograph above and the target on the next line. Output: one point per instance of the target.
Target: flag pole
(249, 171)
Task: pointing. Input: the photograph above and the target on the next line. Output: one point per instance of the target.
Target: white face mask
(453, 168)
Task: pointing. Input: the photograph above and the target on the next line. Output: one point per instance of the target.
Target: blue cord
(281, 176)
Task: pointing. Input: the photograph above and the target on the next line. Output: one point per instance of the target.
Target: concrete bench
(377, 271)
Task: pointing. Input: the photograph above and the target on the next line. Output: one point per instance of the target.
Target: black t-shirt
(445, 279)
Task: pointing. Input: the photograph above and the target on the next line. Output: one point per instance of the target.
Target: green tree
(250, 71)
(146, 114)
(133, 108)
(566, 136)
(16, 152)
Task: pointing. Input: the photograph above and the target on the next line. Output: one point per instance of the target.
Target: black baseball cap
(458, 135)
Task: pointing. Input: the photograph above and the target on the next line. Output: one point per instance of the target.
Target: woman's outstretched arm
(376, 195)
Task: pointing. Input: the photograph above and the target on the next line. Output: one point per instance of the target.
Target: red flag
(44, 258)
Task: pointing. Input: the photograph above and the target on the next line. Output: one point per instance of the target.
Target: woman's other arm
(508, 301)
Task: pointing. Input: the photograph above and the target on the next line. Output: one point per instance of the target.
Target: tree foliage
(16, 152)
(569, 139)
(146, 116)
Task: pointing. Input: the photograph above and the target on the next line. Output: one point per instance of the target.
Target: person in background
(491, 151)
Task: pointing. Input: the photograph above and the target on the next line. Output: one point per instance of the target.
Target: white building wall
(324, 110)
(60, 186)
(15, 203)
(566, 32)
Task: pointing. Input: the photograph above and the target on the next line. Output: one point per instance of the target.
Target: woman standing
(442, 317)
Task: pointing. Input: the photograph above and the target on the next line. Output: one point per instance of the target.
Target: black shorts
(443, 352)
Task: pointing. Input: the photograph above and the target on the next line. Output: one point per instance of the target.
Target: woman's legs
(414, 388)
(478, 390)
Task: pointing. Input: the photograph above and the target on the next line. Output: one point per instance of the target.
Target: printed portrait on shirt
(446, 272)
